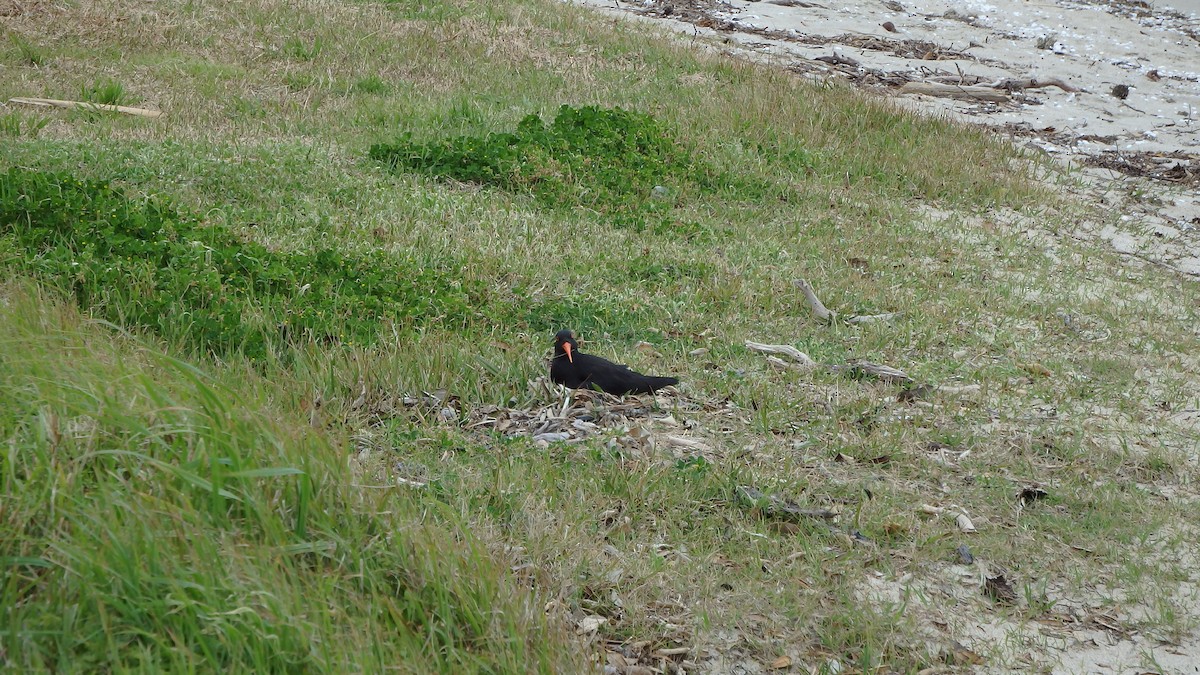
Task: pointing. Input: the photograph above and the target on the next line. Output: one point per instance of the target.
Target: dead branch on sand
(960, 92)
(972, 88)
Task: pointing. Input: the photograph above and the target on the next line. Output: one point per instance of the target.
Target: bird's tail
(653, 383)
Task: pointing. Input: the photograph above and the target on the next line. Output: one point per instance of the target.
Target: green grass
(190, 486)
(106, 92)
(15, 125)
(30, 53)
(158, 519)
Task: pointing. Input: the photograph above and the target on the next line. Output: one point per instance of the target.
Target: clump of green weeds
(621, 163)
(31, 54)
(146, 264)
(372, 85)
(15, 125)
(106, 92)
(303, 51)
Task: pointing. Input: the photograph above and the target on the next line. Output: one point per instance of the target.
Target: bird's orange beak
(567, 349)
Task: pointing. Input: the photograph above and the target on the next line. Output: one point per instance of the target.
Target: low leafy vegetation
(618, 162)
(143, 263)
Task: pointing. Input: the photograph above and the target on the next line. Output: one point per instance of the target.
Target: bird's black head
(564, 343)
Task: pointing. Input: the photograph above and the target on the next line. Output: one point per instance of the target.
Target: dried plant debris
(1171, 167)
(776, 507)
(590, 624)
(961, 519)
(827, 315)
(1010, 84)
(635, 424)
(707, 15)
(839, 59)
(374, 405)
(791, 352)
(631, 658)
(917, 393)
(859, 369)
(856, 368)
(1000, 589)
(1031, 493)
(958, 655)
(819, 309)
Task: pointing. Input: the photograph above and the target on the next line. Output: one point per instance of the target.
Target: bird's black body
(584, 371)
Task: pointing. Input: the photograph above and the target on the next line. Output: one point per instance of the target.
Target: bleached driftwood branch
(960, 92)
(828, 315)
(1020, 84)
(870, 318)
(878, 370)
(818, 308)
(975, 88)
(802, 360)
(85, 105)
(787, 350)
(885, 373)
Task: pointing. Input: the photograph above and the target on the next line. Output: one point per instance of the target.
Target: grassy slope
(271, 109)
(157, 519)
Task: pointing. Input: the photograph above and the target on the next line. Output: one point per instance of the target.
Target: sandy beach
(1110, 89)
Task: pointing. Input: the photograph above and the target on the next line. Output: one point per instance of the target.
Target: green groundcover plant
(620, 163)
(143, 263)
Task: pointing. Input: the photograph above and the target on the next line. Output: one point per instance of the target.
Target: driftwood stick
(773, 506)
(958, 80)
(828, 315)
(818, 308)
(854, 368)
(876, 370)
(777, 507)
(837, 59)
(787, 350)
(1017, 84)
(779, 364)
(871, 318)
(966, 93)
(85, 105)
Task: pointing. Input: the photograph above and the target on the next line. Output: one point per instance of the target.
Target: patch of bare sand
(1095, 634)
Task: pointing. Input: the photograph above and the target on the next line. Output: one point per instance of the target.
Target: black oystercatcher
(584, 371)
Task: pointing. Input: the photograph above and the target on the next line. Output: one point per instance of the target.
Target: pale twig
(86, 105)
